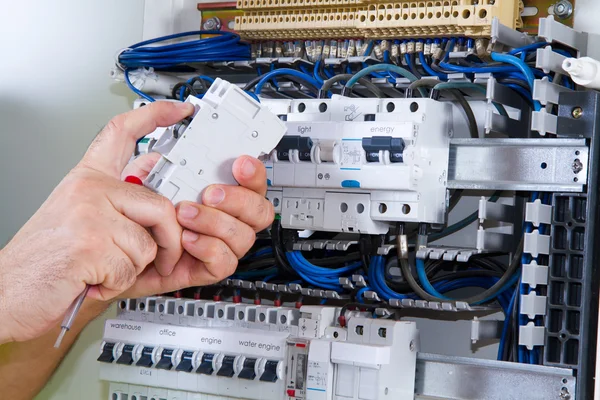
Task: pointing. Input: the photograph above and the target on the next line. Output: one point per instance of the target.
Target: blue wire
(420, 266)
(528, 48)
(524, 68)
(430, 70)
(283, 71)
(318, 79)
(360, 293)
(136, 90)
(221, 46)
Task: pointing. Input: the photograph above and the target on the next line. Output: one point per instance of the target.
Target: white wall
(55, 95)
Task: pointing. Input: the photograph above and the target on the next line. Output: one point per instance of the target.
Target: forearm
(25, 367)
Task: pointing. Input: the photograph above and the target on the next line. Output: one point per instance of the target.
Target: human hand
(217, 232)
(95, 229)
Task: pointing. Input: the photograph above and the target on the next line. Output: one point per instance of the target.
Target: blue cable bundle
(224, 46)
(324, 278)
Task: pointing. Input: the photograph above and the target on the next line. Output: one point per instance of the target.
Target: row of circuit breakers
(355, 165)
(195, 348)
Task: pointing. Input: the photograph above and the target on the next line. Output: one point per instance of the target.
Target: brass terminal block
(310, 19)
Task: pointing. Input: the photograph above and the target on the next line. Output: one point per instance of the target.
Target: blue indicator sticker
(316, 390)
(350, 184)
(269, 182)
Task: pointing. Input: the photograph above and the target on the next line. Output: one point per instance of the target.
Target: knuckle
(123, 273)
(248, 241)
(144, 242)
(264, 214)
(114, 126)
(228, 262)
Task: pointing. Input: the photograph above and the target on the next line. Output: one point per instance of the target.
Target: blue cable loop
(136, 90)
(283, 71)
(222, 46)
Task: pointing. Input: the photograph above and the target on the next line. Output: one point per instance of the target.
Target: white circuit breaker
(161, 348)
(226, 125)
(354, 165)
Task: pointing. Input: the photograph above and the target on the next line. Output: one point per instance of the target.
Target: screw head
(215, 116)
(254, 134)
(411, 346)
(577, 166)
(182, 162)
(212, 24)
(577, 112)
(563, 9)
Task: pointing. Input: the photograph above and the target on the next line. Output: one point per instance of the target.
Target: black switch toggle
(302, 144)
(146, 358)
(374, 145)
(127, 355)
(227, 367)
(270, 374)
(107, 353)
(206, 366)
(185, 364)
(247, 371)
(165, 362)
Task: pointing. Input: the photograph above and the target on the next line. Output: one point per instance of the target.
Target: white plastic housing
(339, 189)
(227, 124)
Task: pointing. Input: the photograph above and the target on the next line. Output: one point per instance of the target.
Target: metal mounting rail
(460, 378)
(551, 165)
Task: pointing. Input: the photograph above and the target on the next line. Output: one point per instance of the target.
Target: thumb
(112, 148)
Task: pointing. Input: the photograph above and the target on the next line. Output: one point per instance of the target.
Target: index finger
(113, 147)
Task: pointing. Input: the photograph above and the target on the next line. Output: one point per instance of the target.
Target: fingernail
(184, 106)
(214, 196)
(187, 211)
(248, 169)
(189, 236)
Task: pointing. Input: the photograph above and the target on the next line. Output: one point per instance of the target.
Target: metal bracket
(444, 377)
(517, 164)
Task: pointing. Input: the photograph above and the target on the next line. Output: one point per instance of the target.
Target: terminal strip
(268, 19)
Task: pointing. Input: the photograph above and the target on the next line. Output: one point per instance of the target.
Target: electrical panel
(255, 352)
(433, 175)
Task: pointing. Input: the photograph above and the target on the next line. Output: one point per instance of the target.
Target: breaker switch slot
(185, 364)
(226, 369)
(288, 143)
(206, 364)
(166, 360)
(374, 145)
(107, 353)
(270, 374)
(127, 355)
(247, 371)
(146, 358)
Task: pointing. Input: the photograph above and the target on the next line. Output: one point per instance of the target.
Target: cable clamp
(118, 55)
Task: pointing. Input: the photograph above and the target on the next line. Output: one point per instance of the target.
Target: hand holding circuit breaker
(227, 124)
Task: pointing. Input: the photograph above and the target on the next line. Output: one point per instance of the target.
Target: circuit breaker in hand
(199, 152)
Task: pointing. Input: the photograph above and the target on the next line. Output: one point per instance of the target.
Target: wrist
(6, 320)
